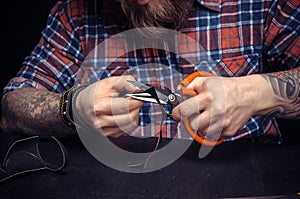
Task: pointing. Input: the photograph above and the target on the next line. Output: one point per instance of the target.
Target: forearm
(286, 93)
(32, 111)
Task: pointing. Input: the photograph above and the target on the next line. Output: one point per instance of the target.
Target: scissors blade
(146, 97)
(140, 85)
(163, 98)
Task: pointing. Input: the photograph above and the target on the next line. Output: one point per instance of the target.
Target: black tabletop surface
(229, 170)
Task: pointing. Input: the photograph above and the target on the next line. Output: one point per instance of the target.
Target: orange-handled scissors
(164, 96)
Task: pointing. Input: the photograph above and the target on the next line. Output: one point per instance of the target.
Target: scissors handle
(189, 92)
(192, 76)
(198, 138)
(185, 82)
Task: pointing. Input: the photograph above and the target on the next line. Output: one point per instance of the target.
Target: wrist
(263, 95)
(67, 108)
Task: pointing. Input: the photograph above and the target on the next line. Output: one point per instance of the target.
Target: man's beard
(156, 13)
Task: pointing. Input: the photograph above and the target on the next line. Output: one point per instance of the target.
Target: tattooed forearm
(286, 87)
(33, 111)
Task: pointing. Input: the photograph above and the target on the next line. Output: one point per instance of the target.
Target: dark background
(22, 24)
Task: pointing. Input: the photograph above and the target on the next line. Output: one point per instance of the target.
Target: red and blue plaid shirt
(241, 37)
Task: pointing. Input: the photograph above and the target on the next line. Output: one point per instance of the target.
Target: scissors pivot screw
(172, 98)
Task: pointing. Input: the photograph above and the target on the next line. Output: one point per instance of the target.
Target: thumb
(121, 83)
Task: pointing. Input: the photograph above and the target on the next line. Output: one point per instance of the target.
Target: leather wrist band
(66, 108)
(75, 117)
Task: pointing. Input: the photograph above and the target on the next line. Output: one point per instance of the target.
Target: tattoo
(285, 84)
(275, 113)
(286, 87)
(37, 113)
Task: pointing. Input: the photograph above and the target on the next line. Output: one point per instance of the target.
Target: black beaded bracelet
(66, 108)
(63, 107)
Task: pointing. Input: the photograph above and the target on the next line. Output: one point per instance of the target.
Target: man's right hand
(102, 107)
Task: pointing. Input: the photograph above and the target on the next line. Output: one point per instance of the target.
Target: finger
(115, 106)
(198, 121)
(229, 130)
(116, 132)
(213, 131)
(206, 126)
(122, 84)
(129, 127)
(124, 105)
(197, 84)
(114, 85)
(187, 108)
(118, 120)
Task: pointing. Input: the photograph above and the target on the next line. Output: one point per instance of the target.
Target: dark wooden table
(229, 170)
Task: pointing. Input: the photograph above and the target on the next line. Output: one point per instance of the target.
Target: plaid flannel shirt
(241, 37)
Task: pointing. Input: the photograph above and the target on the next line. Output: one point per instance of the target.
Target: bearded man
(253, 45)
